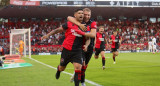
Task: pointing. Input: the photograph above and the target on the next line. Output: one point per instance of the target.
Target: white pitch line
(90, 82)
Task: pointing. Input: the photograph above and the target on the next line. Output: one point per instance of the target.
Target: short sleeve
(65, 26)
(93, 25)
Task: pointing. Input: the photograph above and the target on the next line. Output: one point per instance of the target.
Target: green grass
(131, 69)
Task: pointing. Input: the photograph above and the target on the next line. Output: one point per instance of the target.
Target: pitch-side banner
(102, 3)
(88, 3)
(24, 3)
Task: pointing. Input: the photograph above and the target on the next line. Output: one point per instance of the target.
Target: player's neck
(86, 21)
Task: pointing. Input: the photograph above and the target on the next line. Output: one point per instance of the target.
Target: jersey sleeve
(65, 26)
(93, 25)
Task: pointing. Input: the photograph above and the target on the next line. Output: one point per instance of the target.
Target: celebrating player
(100, 45)
(72, 46)
(116, 42)
(92, 26)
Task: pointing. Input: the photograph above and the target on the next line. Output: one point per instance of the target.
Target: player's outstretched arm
(73, 20)
(91, 34)
(58, 30)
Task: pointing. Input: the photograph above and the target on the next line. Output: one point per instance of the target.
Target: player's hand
(85, 48)
(83, 27)
(44, 37)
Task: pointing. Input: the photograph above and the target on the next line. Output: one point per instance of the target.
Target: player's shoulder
(68, 22)
(93, 22)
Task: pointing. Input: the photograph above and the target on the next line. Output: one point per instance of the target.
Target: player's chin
(81, 19)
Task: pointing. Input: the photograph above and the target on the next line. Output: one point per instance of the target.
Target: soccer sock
(83, 74)
(58, 69)
(58, 73)
(114, 58)
(103, 61)
(77, 77)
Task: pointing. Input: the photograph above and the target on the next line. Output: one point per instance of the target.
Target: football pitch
(131, 69)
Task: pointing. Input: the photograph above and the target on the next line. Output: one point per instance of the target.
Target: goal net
(20, 42)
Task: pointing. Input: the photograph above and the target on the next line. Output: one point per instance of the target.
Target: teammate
(72, 46)
(89, 51)
(21, 45)
(150, 46)
(116, 42)
(100, 45)
(154, 44)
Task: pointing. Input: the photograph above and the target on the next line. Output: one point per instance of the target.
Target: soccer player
(150, 45)
(100, 45)
(154, 44)
(92, 26)
(72, 46)
(116, 42)
(21, 44)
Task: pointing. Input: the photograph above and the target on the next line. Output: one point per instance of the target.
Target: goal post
(18, 35)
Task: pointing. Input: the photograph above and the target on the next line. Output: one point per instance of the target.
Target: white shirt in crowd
(154, 41)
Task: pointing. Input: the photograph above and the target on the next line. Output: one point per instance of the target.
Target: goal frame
(21, 31)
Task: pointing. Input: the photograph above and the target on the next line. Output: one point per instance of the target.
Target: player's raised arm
(58, 30)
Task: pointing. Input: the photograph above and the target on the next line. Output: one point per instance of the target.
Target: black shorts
(98, 50)
(87, 55)
(71, 56)
(83, 55)
(114, 49)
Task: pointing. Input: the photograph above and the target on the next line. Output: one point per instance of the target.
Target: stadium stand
(134, 33)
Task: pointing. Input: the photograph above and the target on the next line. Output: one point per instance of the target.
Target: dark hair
(78, 10)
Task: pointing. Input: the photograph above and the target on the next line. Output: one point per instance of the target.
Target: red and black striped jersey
(72, 41)
(115, 42)
(91, 25)
(100, 40)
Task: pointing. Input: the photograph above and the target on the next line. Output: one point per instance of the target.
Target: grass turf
(131, 69)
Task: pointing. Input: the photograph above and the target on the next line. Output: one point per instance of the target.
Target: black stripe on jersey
(77, 44)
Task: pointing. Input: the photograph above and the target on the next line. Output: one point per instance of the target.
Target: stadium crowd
(134, 33)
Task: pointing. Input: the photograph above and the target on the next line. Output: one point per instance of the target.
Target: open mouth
(80, 17)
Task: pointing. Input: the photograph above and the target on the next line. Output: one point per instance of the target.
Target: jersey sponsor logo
(101, 39)
(115, 40)
(75, 33)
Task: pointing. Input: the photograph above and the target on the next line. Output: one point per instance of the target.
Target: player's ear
(74, 14)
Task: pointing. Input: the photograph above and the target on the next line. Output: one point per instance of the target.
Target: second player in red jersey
(100, 42)
(116, 41)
